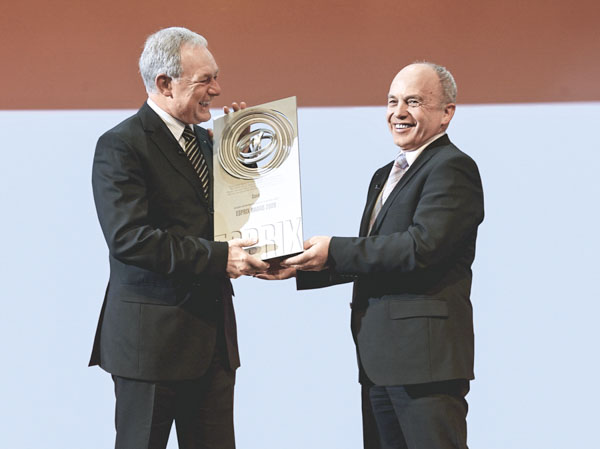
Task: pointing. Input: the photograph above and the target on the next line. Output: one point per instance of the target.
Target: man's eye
(413, 103)
(392, 102)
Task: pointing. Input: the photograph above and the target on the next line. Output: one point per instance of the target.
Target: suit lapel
(162, 137)
(374, 192)
(423, 158)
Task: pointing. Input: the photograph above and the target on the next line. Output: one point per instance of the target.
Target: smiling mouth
(401, 126)
(205, 103)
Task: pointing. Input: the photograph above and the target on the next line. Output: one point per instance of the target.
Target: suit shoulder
(452, 152)
(452, 163)
(127, 126)
(130, 131)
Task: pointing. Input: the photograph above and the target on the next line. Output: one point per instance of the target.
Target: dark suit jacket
(168, 295)
(412, 316)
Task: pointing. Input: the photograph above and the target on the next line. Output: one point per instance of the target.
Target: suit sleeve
(306, 280)
(448, 211)
(120, 194)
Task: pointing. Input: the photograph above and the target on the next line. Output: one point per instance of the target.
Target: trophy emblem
(249, 155)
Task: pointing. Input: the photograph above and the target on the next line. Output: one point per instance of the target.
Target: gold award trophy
(257, 178)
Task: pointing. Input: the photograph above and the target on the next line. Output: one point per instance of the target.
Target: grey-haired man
(167, 328)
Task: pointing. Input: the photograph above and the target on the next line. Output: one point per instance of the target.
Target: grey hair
(446, 81)
(162, 54)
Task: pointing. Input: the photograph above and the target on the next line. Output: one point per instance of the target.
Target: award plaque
(257, 178)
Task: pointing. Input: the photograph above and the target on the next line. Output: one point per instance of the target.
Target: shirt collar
(175, 126)
(411, 156)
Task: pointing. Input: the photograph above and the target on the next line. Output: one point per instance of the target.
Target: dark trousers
(201, 408)
(369, 426)
(423, 416)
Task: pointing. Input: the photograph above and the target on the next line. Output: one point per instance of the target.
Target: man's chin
(204, 117)
(402, 143)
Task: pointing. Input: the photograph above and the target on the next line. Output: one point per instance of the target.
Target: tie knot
(188, 134)
(401, 161)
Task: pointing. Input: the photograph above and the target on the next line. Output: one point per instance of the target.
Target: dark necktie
(194, 154)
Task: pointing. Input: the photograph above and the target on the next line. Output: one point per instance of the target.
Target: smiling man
(411, 267)
(167, 329)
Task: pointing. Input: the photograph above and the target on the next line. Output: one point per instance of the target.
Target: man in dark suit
(167, 328)
(411, 266)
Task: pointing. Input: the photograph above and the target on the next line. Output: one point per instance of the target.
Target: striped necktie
(194, 154)
(400, 166)
(398, 169)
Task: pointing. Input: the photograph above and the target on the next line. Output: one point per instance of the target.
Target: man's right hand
(276, 272)
(240, 263)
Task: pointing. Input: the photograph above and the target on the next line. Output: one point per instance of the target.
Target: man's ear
(164, 85)
(448, 113)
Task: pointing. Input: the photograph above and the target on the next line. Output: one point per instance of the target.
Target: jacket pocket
(148, 294)
(412, 308)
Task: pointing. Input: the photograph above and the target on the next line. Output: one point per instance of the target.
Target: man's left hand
(226, 109)
(314, 257)
(235, 107)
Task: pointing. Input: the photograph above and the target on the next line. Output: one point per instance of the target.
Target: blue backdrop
(535, 291)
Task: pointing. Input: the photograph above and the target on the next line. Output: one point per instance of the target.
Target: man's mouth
(401, 126)
(205, 103)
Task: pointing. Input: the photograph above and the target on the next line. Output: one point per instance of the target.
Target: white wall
(535, 290)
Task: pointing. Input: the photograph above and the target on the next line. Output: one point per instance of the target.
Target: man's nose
(214, 88)
(401, 110)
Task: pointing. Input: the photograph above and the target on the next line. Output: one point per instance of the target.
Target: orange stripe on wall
(83, 55)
